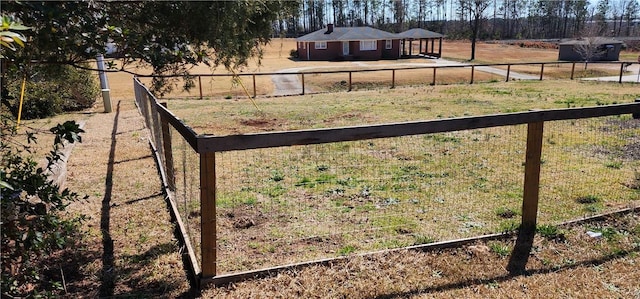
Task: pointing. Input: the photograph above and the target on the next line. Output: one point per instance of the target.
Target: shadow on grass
(139, 282)
(108, 274)
(128, 202)
(131, 271)
(516, 267)
(520, 254)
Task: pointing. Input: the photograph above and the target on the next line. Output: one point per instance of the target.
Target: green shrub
(51, 89)
(31, 206)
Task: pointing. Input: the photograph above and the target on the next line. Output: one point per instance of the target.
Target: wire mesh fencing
(186, 191)
(589, 166)
(275, 203)
(291, 204)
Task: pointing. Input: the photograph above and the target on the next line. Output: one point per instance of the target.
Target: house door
(345, 48)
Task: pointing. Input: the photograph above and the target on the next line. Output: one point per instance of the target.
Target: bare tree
(399, 14)
(602, 11)
(475, 9)
(590, 48)
(631, 13)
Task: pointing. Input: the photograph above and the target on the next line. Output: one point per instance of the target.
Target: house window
(388, 44)
(368, 45)
(321, 45)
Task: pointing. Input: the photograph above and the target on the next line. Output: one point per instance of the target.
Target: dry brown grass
(334, 82)
(128, 247)
(572, 264)
(496, 53)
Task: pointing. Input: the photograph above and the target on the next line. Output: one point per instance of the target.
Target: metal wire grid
(291, 204)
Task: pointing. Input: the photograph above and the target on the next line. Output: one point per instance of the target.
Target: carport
(427, 41)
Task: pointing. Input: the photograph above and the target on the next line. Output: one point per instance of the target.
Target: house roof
(418, 33)
(347, 34)
(596, 40)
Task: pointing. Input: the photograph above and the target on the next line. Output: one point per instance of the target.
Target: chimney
(329, 29)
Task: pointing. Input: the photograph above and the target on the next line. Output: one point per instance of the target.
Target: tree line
(491, 19)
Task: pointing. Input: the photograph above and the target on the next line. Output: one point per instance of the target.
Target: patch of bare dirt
(262, 123)
(630, 150)
(243, 217)
(257, 122)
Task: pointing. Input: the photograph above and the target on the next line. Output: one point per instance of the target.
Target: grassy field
(236, 116)
(291, 204)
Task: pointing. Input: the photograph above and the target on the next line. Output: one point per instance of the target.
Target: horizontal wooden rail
(318, 136)
(187, 132)
(464, 65)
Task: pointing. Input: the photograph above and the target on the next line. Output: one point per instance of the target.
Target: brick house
(349, 43)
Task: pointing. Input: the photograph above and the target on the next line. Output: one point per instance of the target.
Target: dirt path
(129, 249)
(287, 84)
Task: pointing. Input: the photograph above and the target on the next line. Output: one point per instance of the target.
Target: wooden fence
(159, 119)
(394, 72)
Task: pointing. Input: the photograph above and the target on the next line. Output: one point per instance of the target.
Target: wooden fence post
(302, 83)
(168, 153)
(208, 213)
(541, 70)
(621, 71)
(349, 81)
(200, 85)
(508, 72)
(393, 78)
(434, 77)
(254, 86)
(473, 68)
(156, 128)
(573, 69)
(532, 175)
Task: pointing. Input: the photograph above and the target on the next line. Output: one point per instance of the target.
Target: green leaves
(8, 36)
(69, 131)
(30, 204)
(6, 185)
(172, 37)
